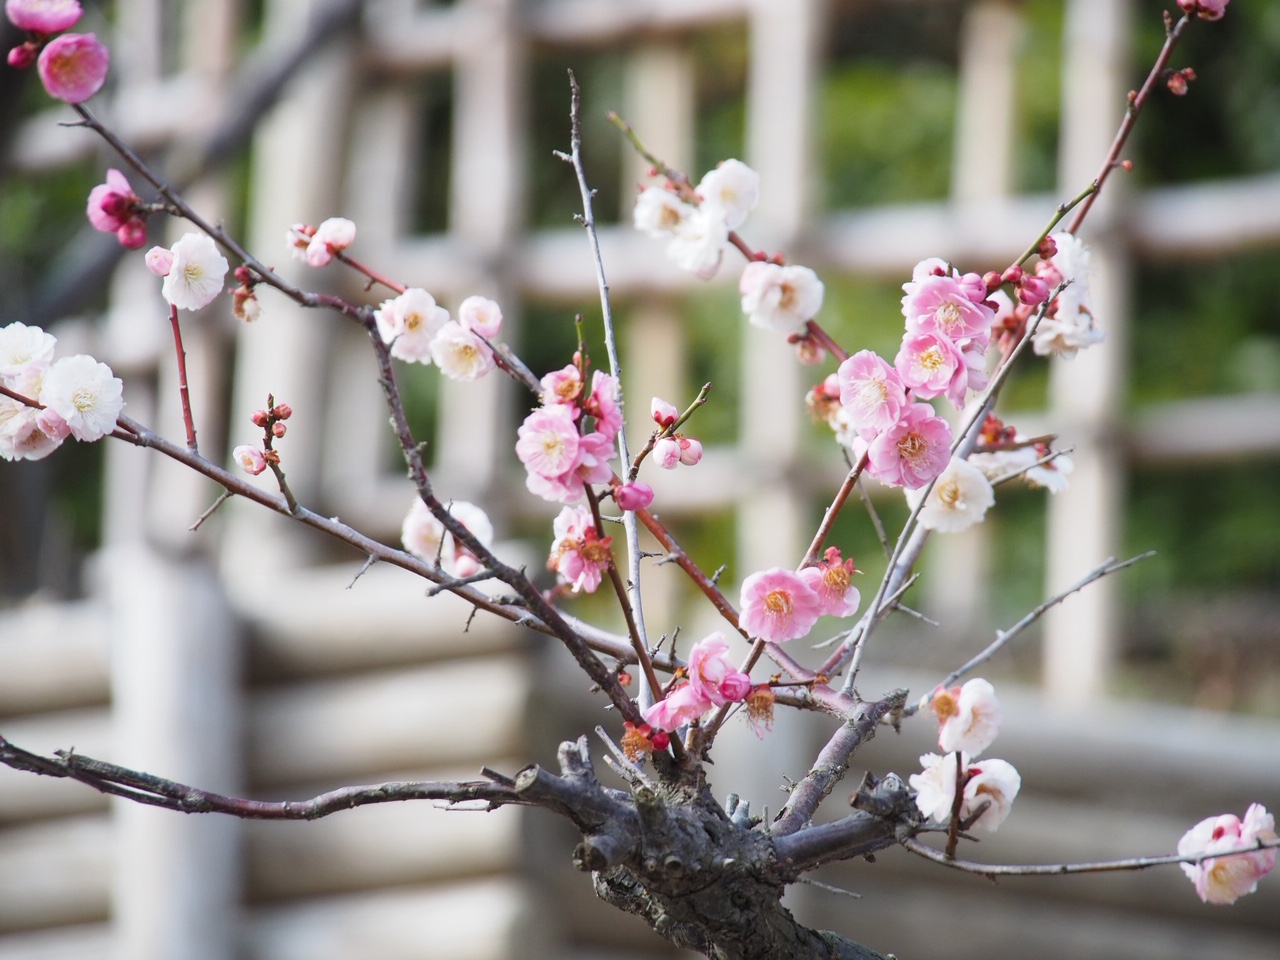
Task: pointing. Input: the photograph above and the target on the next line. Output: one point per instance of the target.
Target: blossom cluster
(579, 555)
(567, 441)
(72, 66)
(74, 396)
(1229, 874)
(419, 330)
(969, 719)
(779, 604)
(698, 232)
(424, 536)
(712, 682)
(672, 449)
(115, 208)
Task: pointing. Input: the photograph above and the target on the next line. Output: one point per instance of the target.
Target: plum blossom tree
(705, 875)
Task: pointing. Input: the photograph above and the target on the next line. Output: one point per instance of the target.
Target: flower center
(412, 320)
(778, 603)
(949, 493)
(947, 317)
(669, 218)
(192, 272)
(83, 399)
(913, 447)
(932, 360)
(787, 301)
(945, 705)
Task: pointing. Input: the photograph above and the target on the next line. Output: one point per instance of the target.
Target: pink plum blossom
(1225, 877)
(113, 208)
(832, 581)
(781, 299)
(562, 386)
(409, 322)
(250, 459)
(481, 316)
(713, 675)
(84, 394)
(602, 404)
(332, 236)
(43, 16)
(928, 364)
(159, 260)
(778, 605)
(1205, 9)
(681, 706)
(872, 392)
(578, 553)
(969, 717)
(730, 191)
(73, 67)
(913, 451)
(943, 305)
(195, 275)
(659, 211)
(459, 353)
(549, 440)
(633, 496)
(960, 498)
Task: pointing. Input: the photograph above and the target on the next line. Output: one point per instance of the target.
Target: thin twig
(814, 553)
(223, 497)
(183, 392)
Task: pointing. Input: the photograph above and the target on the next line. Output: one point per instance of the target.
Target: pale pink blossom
(332, 236)
(459, 353)
(633, 496)
(409, 322)
(298, 238)
(481, 316)
(549, 440)
(85, 394)
(872, 392)
(1051, 475)
(159, 260)
(250, 459)
(664, 414)
(602, 404)
(960, 498)
(730, 191)
(563, 386)
(578, 553)
(1227, 876)
(681, 706)
(713, 675)
(43, 16)
(781, 299)
(112, 208)
(942, 305)
(690, 450)
(195, 276)
(928, 364)
(21, 346)
(591, 465)
(778, 605)
(832, 581)
(697, 243)
(424, 536)
(27, 433)
(913, 451)
(1068, 330)
(969, 717)
(659, 211)
(73, 67)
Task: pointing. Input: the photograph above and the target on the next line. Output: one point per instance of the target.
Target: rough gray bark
(705, 878)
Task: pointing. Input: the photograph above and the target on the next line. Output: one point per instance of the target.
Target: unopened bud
(992, 281)
(1048, 249)
(1012, 275)
(244, 275)
(282, 411)
(278, 429)
(22, 56)
(624, 679)
(259, 418)
(1177, 84)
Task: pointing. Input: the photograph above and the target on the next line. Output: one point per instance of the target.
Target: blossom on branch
(713, 675)
(113, 208)
(993, 782)
(697, 243)
(912, 452)
(459, 353)
(250, 459)
(659, 211)
(969, 716)
(872, 392)
(1227, 876)
(332, 236)
(195, 273)
(1069, 324)
(778, 605)
(481, 316)
(73, 67)
(730, 192)
(43, 17)
(832, 581)
(424, 536)
(84, 394)
(680, 707)
(579, 555)
(409, 322)
(960, 498)
(781, 299)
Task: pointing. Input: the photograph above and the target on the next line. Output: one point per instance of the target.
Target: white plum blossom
(21, 345)
(994, 782)
(697, 243)
(1051, 475)
(969, 716)
(782, 299)
(730, 191)
(250, 459)
(480, 315)
(424, 536)
(85, 394)
(27, 433)
(459, 353)
(1230, 875)
(1069, 326)
(960, 498)
(409, 323)
(935, 787)
(332, 236)
(1066, 332)
(659, 211)
(195, 275)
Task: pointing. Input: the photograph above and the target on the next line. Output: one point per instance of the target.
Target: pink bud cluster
(418, 330)
(674, 449)
(253, 460)
(1205, 9)
(1229, 874)
(712, 682)
(72, 66)
(73, 396)
(698, 232)
(115, 208)
(567, 442)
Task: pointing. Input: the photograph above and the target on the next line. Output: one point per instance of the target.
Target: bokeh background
(885, 131)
